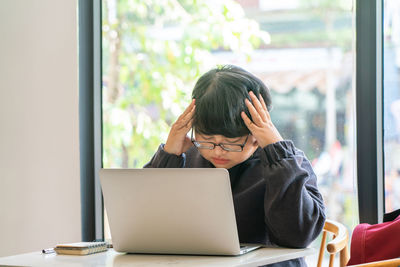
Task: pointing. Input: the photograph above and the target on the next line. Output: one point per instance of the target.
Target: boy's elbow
(295, 242)
(313, 233)
(302, 237)
(302, 243)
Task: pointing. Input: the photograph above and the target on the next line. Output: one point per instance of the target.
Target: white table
(258, 257)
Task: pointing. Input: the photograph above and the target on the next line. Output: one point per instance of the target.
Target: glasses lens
(204, 145)
(233, 148)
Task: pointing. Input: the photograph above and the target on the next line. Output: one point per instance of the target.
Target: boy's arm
(294, 209)
(162, 159)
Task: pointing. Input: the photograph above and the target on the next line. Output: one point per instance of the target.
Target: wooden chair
(338, 244)
(383, 263)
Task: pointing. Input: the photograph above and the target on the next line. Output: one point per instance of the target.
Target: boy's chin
(225, 166)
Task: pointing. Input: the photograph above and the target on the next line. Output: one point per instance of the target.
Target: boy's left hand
(261, 126)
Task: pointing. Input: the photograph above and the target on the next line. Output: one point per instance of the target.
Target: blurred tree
(153, 52)
(340, 205)
(328, 12)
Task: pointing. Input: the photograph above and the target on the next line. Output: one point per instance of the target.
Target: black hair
(220, 98)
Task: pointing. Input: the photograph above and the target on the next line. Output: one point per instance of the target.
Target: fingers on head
(259, 105)
(190, 107)
(187, 114)
(255, 115)
(263, 103)
(247, 120)
(268, 116)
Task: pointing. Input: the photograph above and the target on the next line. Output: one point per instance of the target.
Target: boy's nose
(219, 151)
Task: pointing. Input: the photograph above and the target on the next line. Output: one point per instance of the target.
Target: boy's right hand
(178, 142)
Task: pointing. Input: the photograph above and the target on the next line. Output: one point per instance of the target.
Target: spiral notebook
(81, 248)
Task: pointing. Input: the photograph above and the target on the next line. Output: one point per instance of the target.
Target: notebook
(171, 211)
(81, 248)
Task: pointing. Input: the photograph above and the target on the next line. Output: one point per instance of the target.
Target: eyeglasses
(225, 146)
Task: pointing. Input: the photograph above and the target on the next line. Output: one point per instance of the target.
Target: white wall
(39, 145)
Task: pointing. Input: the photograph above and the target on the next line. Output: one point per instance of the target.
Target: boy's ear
(254, 143)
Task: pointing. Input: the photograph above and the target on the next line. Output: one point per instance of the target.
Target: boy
(274, 188)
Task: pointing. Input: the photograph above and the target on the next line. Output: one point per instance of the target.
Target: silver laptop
(171, 211)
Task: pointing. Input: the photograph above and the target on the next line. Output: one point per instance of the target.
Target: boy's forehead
(218, 136)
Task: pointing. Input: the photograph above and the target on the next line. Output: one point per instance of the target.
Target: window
(153, 52)
(391, 110)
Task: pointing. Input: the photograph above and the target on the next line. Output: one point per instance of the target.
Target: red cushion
(375, 242)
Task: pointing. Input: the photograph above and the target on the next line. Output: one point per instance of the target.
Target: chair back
(338, 244)
(383, 263)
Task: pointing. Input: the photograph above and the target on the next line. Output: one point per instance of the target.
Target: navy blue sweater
(275, 195)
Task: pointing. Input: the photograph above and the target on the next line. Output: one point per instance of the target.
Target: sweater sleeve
(162, 159)
(294, 209)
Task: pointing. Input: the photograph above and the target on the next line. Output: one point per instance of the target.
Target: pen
(48, 250)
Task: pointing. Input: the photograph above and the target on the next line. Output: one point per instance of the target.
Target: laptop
(171, 211)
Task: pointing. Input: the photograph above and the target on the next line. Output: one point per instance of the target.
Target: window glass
(391, 104)
(153, 52)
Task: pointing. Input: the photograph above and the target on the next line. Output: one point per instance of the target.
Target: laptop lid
(170, 211)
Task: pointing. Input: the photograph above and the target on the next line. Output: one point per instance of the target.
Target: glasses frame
(221, 145)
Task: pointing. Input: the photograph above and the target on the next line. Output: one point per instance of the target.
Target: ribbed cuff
(278, 151)
(163, 159)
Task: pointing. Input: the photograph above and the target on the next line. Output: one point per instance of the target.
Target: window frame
(90, 118)
(368, 110)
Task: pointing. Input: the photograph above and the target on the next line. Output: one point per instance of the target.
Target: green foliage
(153, 52)
(343, 39)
